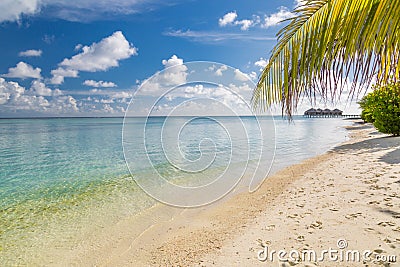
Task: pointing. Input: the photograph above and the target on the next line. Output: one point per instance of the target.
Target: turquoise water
(58, 176)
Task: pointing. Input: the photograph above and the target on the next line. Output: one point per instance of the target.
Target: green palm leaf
(326, 44)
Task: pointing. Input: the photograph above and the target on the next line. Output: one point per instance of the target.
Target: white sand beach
(349, 195)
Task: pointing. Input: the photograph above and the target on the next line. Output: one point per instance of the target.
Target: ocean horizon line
(121, 117)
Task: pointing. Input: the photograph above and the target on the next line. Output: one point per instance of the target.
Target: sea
(63, 179)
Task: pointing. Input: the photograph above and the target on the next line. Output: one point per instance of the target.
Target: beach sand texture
(351, 193)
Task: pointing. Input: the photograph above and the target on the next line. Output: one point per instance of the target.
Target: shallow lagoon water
(61, 180)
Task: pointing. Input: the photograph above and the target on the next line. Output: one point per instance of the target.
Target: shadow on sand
(373, 145)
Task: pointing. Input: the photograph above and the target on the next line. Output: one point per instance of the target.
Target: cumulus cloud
(227, 19)
(15, 97)
(253, 75)
(276, 18)
(240, 76)
(23, 71)
(99, 56)
(261, 63)
(173, 61)
(38, 100)
(231, 19)
(64, 104)
(174, 73)
(220, 70)
(12, 10)
(244, 87)
(30, 53)
(99, 84)
(245, 24)
(60, 73)
(39, 88)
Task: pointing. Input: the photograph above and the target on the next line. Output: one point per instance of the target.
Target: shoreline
(230, 233)
(107, 222)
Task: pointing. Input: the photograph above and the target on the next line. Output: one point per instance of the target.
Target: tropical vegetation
(327, 45)
(382, 108)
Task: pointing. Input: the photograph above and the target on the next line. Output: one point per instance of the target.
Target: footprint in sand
(270, 227)
(371, 181)
(384, 224)
(315, 225)
(353, 215)
(389, 242)
(397, 229)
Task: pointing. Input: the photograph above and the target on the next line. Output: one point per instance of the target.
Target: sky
(89, 58)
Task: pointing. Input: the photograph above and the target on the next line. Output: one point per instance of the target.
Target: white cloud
(99, 84)
(227, 19)
(253, 75)
(173, 61)
(9, 90)
(103, 55)
(15, 97)
(276, 18)
(30, 53)
(298, 3)
(64, 104)
(23, 71)
(15, 100)
(220, 70)
(39, 88)
(240, 76)
(106, 101)
(262, 63)
(12, 10)
(245, 87)
(57, 92)
(78, 47)
(174, 73)
(245, 24)
(97, 57)
(230, 19)
(60, 73)
(122, 94)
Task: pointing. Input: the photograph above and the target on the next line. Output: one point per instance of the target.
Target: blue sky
(84, 58)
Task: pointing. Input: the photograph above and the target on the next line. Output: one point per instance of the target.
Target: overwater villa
(323, 113)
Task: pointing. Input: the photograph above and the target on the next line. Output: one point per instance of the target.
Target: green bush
(382, 108)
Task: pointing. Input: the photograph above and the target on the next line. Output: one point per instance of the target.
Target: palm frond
(326, 44)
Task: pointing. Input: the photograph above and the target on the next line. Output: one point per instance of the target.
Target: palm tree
(327, 44)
